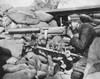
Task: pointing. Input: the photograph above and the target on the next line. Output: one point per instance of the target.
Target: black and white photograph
(49, 39)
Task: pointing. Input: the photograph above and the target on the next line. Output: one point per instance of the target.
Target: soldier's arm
(80, 43)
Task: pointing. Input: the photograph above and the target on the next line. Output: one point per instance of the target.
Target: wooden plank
(67, 11)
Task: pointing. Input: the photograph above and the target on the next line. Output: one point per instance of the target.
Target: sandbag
(12, 60)
(96, 15)
(14, 68)
(43, 16)
(41, 74)
(22, 18)
(53, 23)
(41, 24)
(23, 74)
(96, 21)
(42, 59)
(97, 30)
(25, 10)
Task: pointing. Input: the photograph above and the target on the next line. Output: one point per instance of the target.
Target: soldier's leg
(78, 69)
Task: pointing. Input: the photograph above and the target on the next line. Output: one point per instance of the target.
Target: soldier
(81, 35)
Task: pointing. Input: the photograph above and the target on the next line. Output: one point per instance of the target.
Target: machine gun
(50, 30)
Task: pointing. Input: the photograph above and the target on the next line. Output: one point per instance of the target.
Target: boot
(77, 75)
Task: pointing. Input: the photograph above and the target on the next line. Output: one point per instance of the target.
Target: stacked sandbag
(24, 17)
(26, 67)
(30, 18)
(20, 18)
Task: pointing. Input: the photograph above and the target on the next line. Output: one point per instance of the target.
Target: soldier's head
(74, 21)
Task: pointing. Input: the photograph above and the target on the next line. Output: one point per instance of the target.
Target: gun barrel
(23, 30)
(46, 49)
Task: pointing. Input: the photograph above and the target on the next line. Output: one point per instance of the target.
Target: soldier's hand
(66, 39)
(69, 33)
(76, 35)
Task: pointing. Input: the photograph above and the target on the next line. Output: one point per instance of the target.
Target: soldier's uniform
(81, 44)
